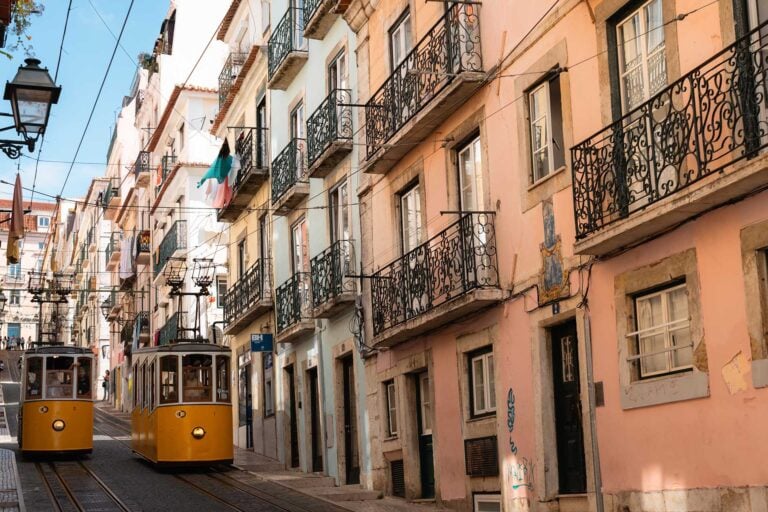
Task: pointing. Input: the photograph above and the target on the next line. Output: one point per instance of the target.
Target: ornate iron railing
(289, 168)
(113, 245)
(113, 190)
(310, 8)
(330, 271)
(293, 301)
(450, 47)
(229, 73)
(168, 162)
(288, 37)
(459, 259)
(174, 240)
(332, 121)
(143, 242)
(251, 146)
(142, 162)
(712, 117)
(170, 331)
(254, 286)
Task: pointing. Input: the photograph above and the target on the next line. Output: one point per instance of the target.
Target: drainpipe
(592, 414)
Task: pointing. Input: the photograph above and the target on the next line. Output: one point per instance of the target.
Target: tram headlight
(58, 425)
(198, 432)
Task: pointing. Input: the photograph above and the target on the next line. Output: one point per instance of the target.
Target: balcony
(167, 165)
(112, 255)
(329, 133)
(287, 49)
(438, 75)
(251, 146)
(141, 169)
(229, 73)
(91, 241)
(115, 304)
(111, 199)
(250, 297)
(175, 240)
(136, 329)
(169, 333)
(143, 247)
(695, 145)
(84, 261)
(449, 276)
(290, 183)
(320, 16)
(332, 288)
(293, 306)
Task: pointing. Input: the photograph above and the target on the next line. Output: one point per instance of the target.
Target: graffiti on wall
(511, 420)
(520, 472)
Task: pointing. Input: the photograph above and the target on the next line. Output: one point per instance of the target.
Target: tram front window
(169, 379)
(58, 376)
(84, 378)
(222, 378)
(34, 377)
(197, 377)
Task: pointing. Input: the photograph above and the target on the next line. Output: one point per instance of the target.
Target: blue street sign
(261, 343)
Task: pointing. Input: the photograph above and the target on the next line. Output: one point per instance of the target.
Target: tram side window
(152, 393)
(144, 394)
(84, 377)
(222, 378)
(34, 377)
(135, 386)
(197, 374)
(169, 379)
(58, 376)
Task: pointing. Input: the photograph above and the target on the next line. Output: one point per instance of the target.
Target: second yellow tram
(56, 400)
(182, 410)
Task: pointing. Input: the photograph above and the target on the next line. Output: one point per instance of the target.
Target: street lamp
(31, 93)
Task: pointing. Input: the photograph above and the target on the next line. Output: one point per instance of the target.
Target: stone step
(347, 493)
(574, 503)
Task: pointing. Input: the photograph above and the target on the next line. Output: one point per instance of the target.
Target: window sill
(663, 390)
(546, 178)
(480, 419)
(391, 438)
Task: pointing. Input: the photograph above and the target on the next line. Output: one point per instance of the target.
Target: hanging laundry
(126, 256)
(219, 169)
(16, 229)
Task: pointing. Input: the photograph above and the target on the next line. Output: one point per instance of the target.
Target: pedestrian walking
(105, 385)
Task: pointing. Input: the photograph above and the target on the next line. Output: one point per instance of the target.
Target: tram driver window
(58, 376)
(197, 374)
(169, 379)
(222, 378)
(84, 377)
(34, 377)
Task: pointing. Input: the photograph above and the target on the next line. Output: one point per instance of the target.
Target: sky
(87, 49)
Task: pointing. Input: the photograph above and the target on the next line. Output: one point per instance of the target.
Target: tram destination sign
(262, 343)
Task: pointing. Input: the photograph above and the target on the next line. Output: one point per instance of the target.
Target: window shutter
(482, 456)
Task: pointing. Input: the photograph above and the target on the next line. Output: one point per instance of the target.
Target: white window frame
(645, 57)
(664, 328)
(300, 246)
(265, 7)
(489, 394)
(43, 222)
(220, 281)
(338, 69)
(14, 298)
(401, 39)
(391, 402)
(340, 212)
(411, 232)
(425, 404)
(14, 270)
(486, 498)
(474, 149)
(545, 118)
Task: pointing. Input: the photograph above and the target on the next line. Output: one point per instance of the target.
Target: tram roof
(183, 347)
(58, 350)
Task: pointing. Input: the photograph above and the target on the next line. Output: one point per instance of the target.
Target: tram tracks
(74, 486)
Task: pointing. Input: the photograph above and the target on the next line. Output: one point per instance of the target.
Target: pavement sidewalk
(10, 486)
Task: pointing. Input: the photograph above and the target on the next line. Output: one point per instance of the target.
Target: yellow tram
(182, 411)
(56, 409)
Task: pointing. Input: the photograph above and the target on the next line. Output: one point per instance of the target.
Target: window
(389, 388)
(221, 290)
(263, 243)
(242, 258)
(487, 503)
(169, 379)
(410, 218)
(663, 336)
(300, 246)
(297, 121)
(15, 299)
(400, 39)
(43, 222)
(339, 212)
(470, 176)
(34, 377)
(135, 385)
(481, 384)
(337, 72)
(84, 378)
(222, 379)
(269, 393)
(41, 245)
(180, 137)
(264, 15)
(261, 134)
(546, 129)
(14, 270)
(151, 386)
(58, 376)
(144, 389)
(642, 56)
(197, 374)
(425, 408)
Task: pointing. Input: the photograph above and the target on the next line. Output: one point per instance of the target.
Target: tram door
(294, 422)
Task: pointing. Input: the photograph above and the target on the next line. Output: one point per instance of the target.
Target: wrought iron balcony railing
(169, 333)
(330, 271)
(251, 146)
(310, 8)
(174, 240)
(711, 117)
(168, 162)
(293, 301)
(458, 260)
(113, 191)
(289, 168)
(114, 245)
(449, 48)
(143, 242)
(252, 288)
(331, 122)
(142, 163)
(288, 37)
(229, 73)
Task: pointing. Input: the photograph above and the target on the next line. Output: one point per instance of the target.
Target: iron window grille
(289, 168)
(174, 240)
(329, 123)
